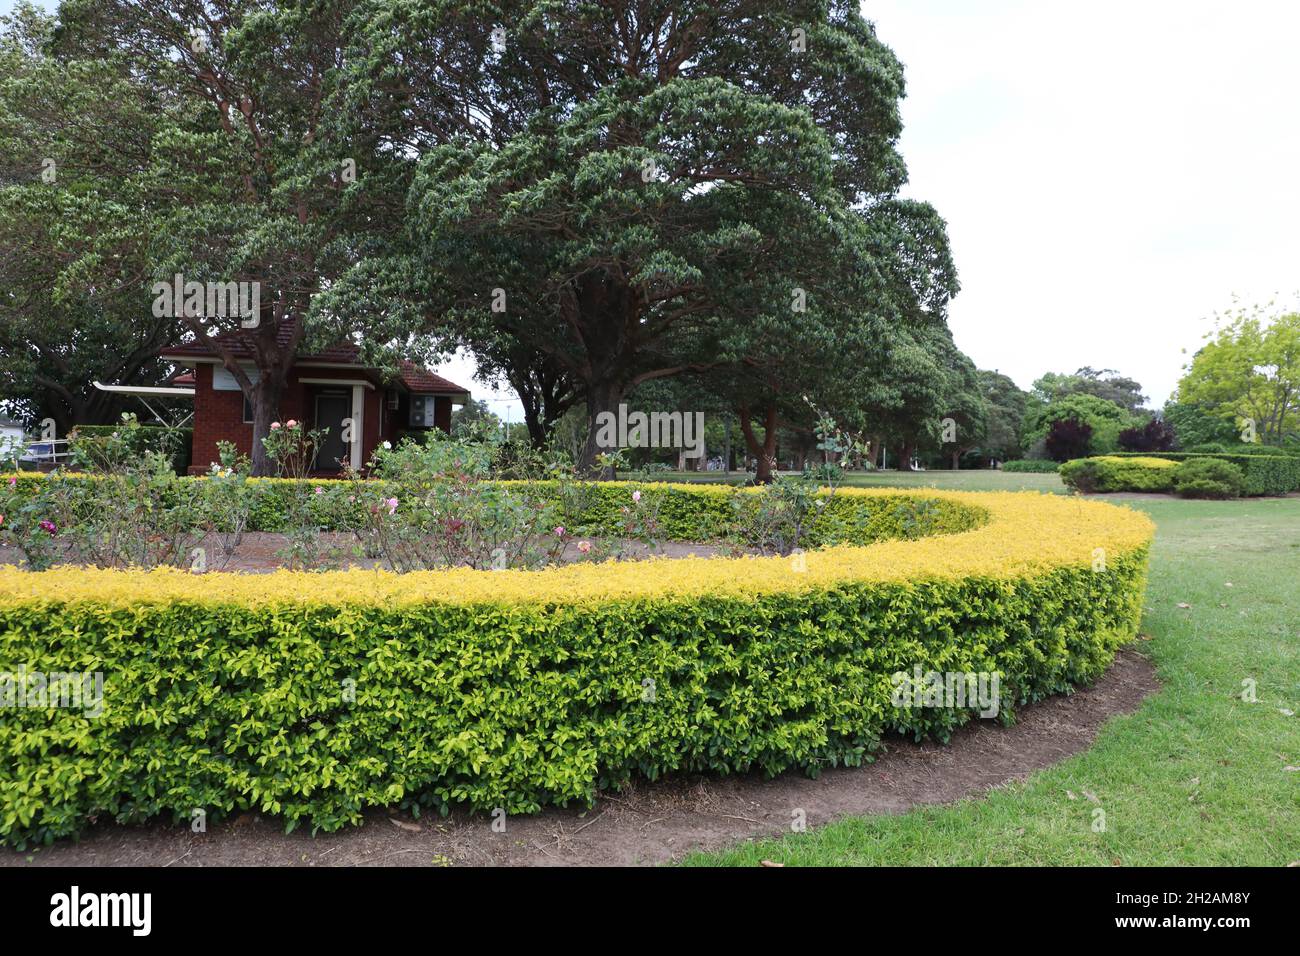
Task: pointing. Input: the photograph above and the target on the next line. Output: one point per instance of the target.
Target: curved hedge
(315, 696)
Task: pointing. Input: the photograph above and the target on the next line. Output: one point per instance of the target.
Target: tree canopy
(637, 190)
(79, 197)
(1248, 373)
(589, 197)
(1106, 384)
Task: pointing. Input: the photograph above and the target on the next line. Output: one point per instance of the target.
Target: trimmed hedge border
(1106, 473)
(517, 689)
(1265, 474)
(1030, 466)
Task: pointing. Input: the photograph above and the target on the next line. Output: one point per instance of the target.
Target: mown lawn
(971, 480)
(1195, 776)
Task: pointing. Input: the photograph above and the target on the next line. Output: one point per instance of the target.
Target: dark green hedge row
(229, 707)
(1265, 474)
(1030, 466)
(683, 513)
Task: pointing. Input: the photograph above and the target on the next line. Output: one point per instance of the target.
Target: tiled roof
(416, 378)
(419, 379)
(240, 344)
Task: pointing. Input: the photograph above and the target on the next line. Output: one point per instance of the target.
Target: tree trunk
(603, 397)
(905, 456)
(956, 460)
(266, 409)
(764, 452)
(536, 430)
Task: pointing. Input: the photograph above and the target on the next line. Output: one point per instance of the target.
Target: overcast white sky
(1111, 172)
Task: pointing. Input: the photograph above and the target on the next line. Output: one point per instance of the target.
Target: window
(421, 411)
(248, 411)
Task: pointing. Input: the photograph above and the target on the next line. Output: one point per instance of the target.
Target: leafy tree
(1155, 435)
(78, 203)
(474, 413)
(920, 378)
(1103, 417)
(965, 409)
(1068, 438)
(1104, 383)
(1248, 372)
(636, 190)
(1006, 405)
(1193, 425)
(265, 182)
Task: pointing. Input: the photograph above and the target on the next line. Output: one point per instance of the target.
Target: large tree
(266, 183)
(620, 186)
(1006, 414)
(1248, 373)
(1106, 384)
(78, 203)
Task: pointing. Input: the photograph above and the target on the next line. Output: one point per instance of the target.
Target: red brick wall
(218, 416)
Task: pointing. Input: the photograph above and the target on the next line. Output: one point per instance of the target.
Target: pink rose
(320, 490)
(274, 425)
(559, 531)
(291, 424)
(392, 504)
(636, 496)
(584, 546)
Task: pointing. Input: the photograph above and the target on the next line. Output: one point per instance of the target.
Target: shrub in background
(89, 444)
(1208, 478)
(1110, 473)
(1266, 474)
(1031, 466)
(1068, 438)
(1155, 435)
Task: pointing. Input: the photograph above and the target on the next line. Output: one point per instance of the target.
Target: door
(331, 409)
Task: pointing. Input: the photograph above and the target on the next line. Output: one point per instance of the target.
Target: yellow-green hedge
(315, 696)
(1112, 473)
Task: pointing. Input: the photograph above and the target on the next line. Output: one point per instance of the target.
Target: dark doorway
(331, 408)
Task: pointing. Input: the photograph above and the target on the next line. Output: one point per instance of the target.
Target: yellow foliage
(1025, 534)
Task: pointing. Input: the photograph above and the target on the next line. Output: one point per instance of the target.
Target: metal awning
(153, 391)
(146, 390)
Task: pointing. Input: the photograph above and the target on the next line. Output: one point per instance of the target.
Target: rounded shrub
(1112, 473)
(1208, 478)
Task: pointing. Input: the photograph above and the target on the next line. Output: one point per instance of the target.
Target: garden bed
(315, 696)
(261, 552)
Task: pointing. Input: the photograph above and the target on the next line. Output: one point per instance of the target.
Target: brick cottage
(322, 390)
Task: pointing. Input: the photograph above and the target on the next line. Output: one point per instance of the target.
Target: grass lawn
(972, 480)
(1195, 776)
